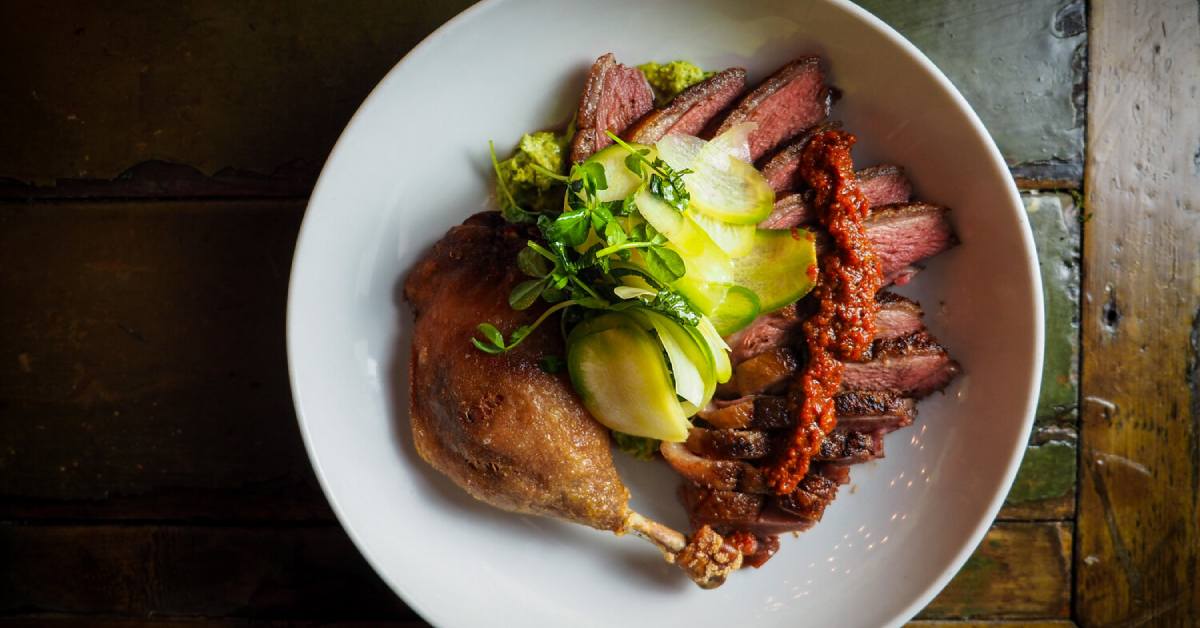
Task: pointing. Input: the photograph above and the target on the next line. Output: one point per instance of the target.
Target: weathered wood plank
(1139, 517)
(149, 571)
(143, 371)
(247, 100)
(222, 87)
(1045, 485)
(1020, 570)
(1021, 64)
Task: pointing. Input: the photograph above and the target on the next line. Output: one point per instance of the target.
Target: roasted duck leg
(501, 427)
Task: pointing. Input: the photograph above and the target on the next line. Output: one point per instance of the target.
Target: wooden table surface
(155, 165)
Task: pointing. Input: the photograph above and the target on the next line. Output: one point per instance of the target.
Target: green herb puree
(531, 189)
(668, 79)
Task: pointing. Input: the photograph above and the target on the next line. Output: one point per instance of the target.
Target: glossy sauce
(843, 325)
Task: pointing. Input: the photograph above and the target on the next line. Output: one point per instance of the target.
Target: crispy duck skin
(501, 428)
(477, 432)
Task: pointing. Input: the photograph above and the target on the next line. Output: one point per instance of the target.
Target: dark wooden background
(155, 166)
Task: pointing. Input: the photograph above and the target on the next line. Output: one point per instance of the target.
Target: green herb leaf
(613, 233)
(628, 206)
(526, 293)
(486, 348)
(634, 163)
(493, 335)
(591, 173)
(576, 195)
(664, 264)
(638, 233)
(667, 184)
(532, 263)
(674, 305)
(570, 229)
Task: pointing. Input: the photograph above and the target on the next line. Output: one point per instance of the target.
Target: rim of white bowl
(982, 525)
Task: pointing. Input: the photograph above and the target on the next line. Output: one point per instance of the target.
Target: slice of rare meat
(791, 210)
(769, 331)
(857, 411)
(839, 446)
(883, 185)
(691, 111)
(897, 316)
(792, 99)
(913, 365)
(614, 96)
(907, 233)
(780, 168)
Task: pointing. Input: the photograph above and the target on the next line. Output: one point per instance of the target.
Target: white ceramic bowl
(413, 162)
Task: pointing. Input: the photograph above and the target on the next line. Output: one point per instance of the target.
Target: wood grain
(142, 365)
(1138, 537)
(1019, 64)
(204, 99)
(225, 88)
(161, 571)
(1020, 570)
(1051, 623)
(1045, 485)
(40, 620)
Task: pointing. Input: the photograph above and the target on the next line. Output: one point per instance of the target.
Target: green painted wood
(1020, 63)
(1019, 571)
(1045, 484)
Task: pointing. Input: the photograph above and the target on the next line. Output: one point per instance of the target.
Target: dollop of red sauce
(843, 325)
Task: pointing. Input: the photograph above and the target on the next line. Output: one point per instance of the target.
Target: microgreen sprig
(665, 182)
(565, 275)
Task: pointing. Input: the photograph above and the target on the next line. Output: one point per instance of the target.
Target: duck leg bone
(706, 558)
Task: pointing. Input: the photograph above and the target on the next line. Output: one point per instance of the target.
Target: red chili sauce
(843, 325)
